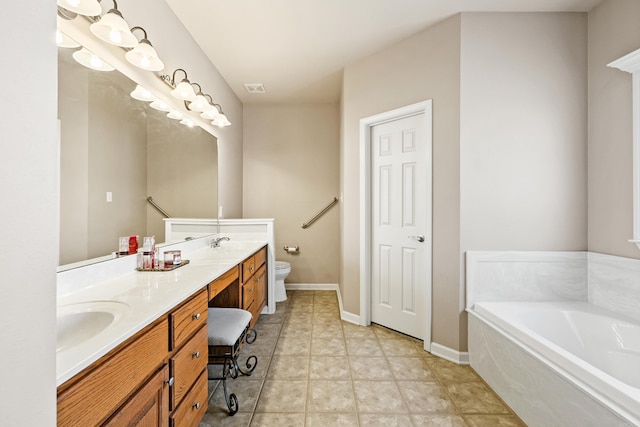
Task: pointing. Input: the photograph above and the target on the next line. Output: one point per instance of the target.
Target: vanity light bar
(113, 29)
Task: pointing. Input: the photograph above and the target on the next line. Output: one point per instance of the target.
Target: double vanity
(134, 346)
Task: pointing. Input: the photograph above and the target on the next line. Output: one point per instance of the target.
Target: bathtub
(559, 363)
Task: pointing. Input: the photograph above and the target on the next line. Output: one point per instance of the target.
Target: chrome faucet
(215, 243)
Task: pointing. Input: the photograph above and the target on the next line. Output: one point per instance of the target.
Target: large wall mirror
(115, 152)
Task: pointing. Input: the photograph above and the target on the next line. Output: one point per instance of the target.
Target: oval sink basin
(76, 323)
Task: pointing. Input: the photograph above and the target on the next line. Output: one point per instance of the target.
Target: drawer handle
(196, 355)
(195, 316)
(251, 268)
(196, 405)
(170, 381)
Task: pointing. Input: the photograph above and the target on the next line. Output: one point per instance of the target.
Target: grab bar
(319, 214)
(159, 209)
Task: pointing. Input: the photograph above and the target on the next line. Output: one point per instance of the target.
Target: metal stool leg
(231, 399)
(231, 367)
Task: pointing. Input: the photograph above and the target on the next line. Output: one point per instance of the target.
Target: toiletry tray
(173, 267)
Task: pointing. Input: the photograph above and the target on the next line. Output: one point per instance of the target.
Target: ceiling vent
(254, 87)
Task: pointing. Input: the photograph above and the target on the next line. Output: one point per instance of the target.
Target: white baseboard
(344, 315)
(312, 287)
(455, 356)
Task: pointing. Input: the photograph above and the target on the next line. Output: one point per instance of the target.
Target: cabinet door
(261, 288)
(148, 407)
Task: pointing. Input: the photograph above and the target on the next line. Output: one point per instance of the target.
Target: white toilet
(282, 271)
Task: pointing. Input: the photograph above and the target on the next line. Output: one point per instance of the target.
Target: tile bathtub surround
(525, 276)
(316, 370)
(614, 283)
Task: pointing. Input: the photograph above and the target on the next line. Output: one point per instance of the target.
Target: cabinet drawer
(222, 282)
(187, 365)
(248, 268)
(97, 394)
(248, 293)
(188, 318)
(260, 257)
(193, 406)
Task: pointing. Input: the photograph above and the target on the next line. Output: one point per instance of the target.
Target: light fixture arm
(199, 92)
(144, 39)
(173, 77)
(115, 9)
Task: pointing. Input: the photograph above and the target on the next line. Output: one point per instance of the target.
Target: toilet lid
(281, 265)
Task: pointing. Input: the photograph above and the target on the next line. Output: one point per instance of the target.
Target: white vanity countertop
(145, 296)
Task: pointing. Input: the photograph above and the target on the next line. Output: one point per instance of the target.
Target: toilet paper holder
(292, 249)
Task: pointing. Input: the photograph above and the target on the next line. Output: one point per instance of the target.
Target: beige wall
(291, 171)
(425, 66)
(29, 226)
(523, 131)
(509, 159)
(613, 32)
(523, 134)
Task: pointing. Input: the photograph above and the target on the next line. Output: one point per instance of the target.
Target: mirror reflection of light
(160, 106)
(95, 61)
(142, 94)
(176, 115)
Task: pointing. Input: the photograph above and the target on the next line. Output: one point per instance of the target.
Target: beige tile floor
(316, 370)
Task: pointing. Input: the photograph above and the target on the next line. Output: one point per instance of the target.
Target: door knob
(419, 238)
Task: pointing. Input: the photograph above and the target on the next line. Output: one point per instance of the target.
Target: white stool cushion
(226, 325)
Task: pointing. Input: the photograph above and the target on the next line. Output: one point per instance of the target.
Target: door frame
(426, 108)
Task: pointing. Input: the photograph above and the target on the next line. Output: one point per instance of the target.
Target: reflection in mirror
(116, 151)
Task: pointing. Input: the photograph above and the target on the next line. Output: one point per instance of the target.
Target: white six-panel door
(400, 260)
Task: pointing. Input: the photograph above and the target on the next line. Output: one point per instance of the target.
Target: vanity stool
(228, 331)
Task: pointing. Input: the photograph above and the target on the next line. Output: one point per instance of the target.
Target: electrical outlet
(109, 197)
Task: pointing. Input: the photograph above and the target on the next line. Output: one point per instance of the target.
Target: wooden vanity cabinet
(95, 394)
(156, 378)
(254, 283)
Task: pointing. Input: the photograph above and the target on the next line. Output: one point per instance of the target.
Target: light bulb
(115, 36)
(145, 61)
